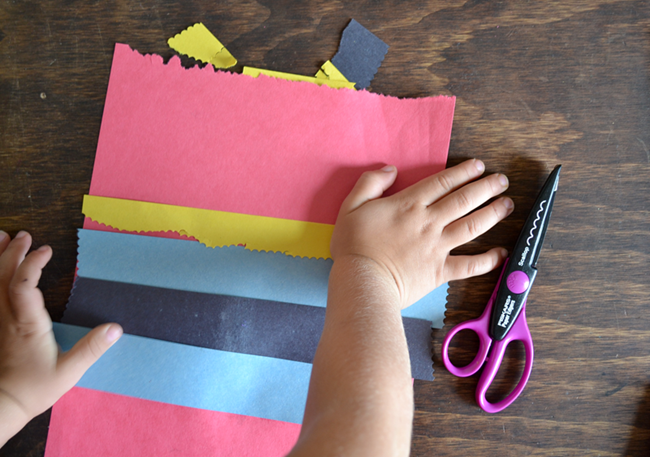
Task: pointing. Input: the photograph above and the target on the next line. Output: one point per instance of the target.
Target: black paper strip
(245, 325)
(360, 54)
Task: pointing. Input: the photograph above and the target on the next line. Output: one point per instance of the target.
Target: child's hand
(33, 374)
(388, 253)
(409, 235)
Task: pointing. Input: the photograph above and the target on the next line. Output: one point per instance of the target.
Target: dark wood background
(537, 83)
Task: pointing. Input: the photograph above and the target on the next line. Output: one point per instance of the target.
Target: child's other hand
(33, 374)
(408, 236)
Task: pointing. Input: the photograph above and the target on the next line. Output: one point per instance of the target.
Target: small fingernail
(504, 253)
(503, 180)
(113, 333)
(480, 166)
(3, 235)
(388, 168)
(21, 234)
(45, 247)
(510, 205)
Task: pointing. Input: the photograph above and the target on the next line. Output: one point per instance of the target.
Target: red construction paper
(88, 422)
(263, 146)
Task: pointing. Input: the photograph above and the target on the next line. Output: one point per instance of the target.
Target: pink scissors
(504, 318)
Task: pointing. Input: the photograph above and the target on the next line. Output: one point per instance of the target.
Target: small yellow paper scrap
(197, 42)
(329, 71)
(213, 228)
(336, 84)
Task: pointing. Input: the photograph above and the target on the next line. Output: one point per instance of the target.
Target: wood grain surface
(537, 83)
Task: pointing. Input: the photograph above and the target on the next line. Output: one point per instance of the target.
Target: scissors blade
(521, 269)
(534, 230)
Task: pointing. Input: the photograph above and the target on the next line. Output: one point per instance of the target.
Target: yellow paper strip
(213, 228)
(197, 42)
(336, 84)
(329, 71)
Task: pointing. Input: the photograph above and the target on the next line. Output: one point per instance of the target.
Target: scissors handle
(478, 326)
(518, 332)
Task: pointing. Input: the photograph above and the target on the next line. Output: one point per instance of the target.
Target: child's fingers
(12, 256)
(74, 363)
(4, 304)
(435, 187)
(466, 199)
(371, 185)
(26, 300)
(4, 241)
(477, 223)
(467, 266)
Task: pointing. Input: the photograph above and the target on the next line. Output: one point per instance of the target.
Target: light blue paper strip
(431, 307)
(184, 375)
(233, 270)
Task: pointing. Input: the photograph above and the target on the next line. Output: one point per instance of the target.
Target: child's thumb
(371, 185)
(74, 363)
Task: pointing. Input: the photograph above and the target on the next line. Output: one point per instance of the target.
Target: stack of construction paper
(211, 204)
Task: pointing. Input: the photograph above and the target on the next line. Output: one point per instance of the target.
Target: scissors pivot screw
(518, 282)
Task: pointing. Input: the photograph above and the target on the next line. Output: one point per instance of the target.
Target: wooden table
(537, 83)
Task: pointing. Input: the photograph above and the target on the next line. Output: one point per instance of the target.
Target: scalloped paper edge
(213, 228)
(199, 43)
(333, 83)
